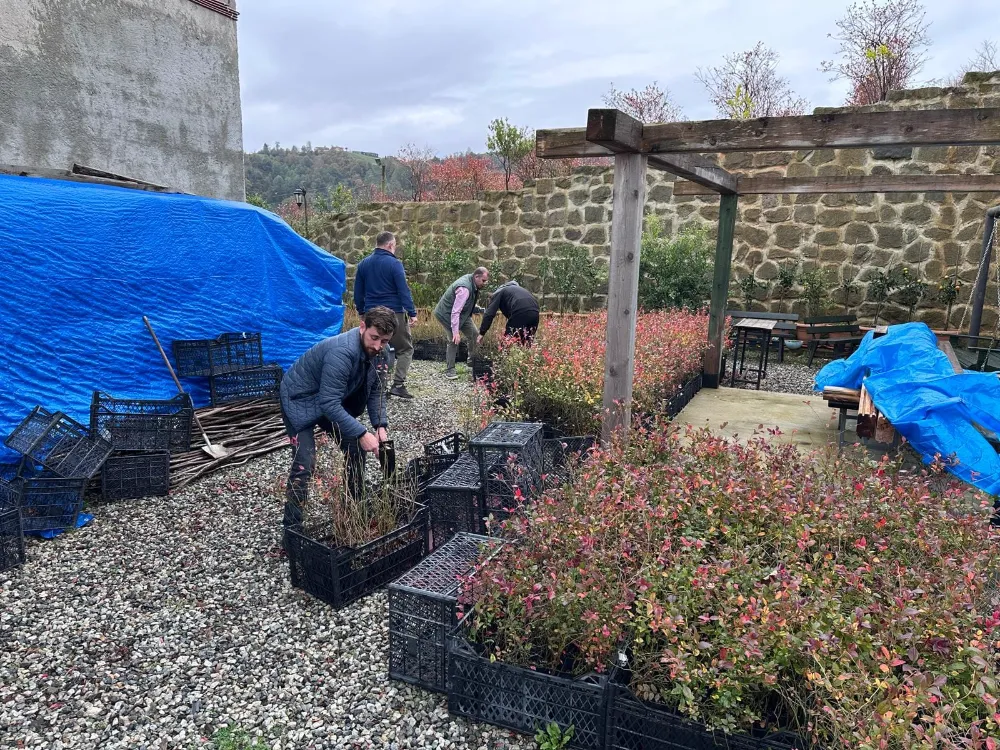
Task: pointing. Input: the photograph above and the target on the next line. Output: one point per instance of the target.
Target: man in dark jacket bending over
(519, 307)
(329, 387)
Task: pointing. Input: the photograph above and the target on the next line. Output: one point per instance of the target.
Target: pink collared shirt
(461, 295)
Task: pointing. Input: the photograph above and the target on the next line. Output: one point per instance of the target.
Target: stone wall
(143, 88)
(847, 236)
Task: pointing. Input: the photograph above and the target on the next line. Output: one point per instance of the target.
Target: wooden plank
(572, 143)
(926, 127)
(720, 291)
(615, 130)
(623, 295)
(881, 183)
(65, 174)
(94, 172)
(949, 352)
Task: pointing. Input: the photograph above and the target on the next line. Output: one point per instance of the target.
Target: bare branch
(417, 161)
(652, 104)
(747, 85)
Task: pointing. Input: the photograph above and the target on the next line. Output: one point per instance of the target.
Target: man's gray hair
(480, 272)
(384, 238)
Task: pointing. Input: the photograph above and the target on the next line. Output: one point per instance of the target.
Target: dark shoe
(399, 391)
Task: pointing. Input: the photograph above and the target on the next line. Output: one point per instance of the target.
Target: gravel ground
(167, 618)
(791, 376)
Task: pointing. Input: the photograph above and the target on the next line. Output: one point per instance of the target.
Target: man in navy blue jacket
(380, 281)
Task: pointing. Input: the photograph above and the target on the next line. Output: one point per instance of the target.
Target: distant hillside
(275, 173)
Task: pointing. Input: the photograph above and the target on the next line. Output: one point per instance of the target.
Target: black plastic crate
(452, 444)
(11, 537)
(246, 385)
(126, 476)
(61, 444)
(506, 491)
(227, 353)
(422, 470)
(340, 575)
(501, 442)
(133, 424)
(482, 367)
(422, 612)
(636, 724)
(523, 700)
(454, 501)
(560, 454)
(683, 396)
(47, 501)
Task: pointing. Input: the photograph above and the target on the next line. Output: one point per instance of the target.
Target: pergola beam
(927, 127)
(873, 183)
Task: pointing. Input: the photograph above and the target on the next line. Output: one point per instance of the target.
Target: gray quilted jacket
(323, 378)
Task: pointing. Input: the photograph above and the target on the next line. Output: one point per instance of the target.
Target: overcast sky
(372, 75)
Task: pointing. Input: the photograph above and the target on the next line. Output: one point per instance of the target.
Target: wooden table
(748, 330)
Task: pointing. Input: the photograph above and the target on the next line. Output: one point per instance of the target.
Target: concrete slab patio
(805, 421)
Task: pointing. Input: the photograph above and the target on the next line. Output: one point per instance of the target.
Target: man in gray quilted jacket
(329, 387)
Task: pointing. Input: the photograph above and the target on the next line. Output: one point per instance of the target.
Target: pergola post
(720, 291)
(623, 294)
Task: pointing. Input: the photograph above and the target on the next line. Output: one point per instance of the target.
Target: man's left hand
(381, 434)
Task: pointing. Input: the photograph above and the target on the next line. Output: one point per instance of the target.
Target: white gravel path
(167, 618)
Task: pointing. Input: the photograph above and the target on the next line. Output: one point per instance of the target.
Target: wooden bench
(841, 334)
(784, 328)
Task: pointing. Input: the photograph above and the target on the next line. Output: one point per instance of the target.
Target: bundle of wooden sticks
(247, 429)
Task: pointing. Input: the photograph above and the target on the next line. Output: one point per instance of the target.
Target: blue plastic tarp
(82, 263)
(914, 385)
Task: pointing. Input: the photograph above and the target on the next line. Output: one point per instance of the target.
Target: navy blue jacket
(325, 376)
(381, 280)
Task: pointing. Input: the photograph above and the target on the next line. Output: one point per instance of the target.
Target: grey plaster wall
(145, 88)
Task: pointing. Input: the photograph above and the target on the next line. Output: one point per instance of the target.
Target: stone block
(810, 252)
(527, 202)
(821, 156)
(600, 194)
(857, 233)
(542, 235)
(952, 253)
(573, 234)
(574, 217)
(532, 219)
(932, 154)
(918, 213)
(557, 200)
(917, 252)
(804, 214)
(767, 270)
(889, 237)
(828, 237)
(556, 218)
(684, 211)
(772, 159)
(806, 199)
(970, 232)
(595, 214)
(711, 213)
(660, 194)
(609, 177)
(833, 217)
(770, 201)
(755, 236)
(738, 160)
(595, 236)
(837, 200)
(833, 254)
(788, 235)
(800, 169)
(832, 170)
(892, 153)
(564, 183)
(522, 251)
(775, 215)
(485, 237)
(508, 218)
(544, 185)
(579, 197)
(937, 234)
(516, 235)
(750, 214)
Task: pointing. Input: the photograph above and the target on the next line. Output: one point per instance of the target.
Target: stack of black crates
(234, 365)
(58, 457)
(143, 433)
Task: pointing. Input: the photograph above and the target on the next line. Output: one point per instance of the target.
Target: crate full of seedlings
(11, 535)
(133, 424)
(560, 455)
(126, 476)
(246, 385)
(423, 611)
(48, 502)
(338, 574)
(454, 500)
(61, 444)
(229, 352)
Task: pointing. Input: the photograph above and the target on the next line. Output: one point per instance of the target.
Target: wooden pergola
(679, 148)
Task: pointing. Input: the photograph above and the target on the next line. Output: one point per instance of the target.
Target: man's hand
(413, 320)
(479, 339)
(456, 339)
(368, 443)
(382, 435)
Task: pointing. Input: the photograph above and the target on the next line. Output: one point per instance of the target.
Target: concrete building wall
(145, 88)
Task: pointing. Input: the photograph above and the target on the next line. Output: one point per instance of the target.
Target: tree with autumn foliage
(747, 85)
(417, 163)
(464, 177)
(651, 104)
(509, 144)
(883, 44)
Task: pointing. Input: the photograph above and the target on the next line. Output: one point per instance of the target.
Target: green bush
(674, 272)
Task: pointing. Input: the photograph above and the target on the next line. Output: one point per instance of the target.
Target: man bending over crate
(328, 387)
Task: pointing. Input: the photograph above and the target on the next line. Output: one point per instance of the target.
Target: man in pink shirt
(454, 312)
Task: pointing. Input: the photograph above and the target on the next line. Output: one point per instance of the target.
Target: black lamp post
(382, 165)
(303, 203)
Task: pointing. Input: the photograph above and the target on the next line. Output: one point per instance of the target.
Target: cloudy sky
(372, 75)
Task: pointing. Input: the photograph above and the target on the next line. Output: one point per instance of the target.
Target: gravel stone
(791, 376)
(167, 618)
